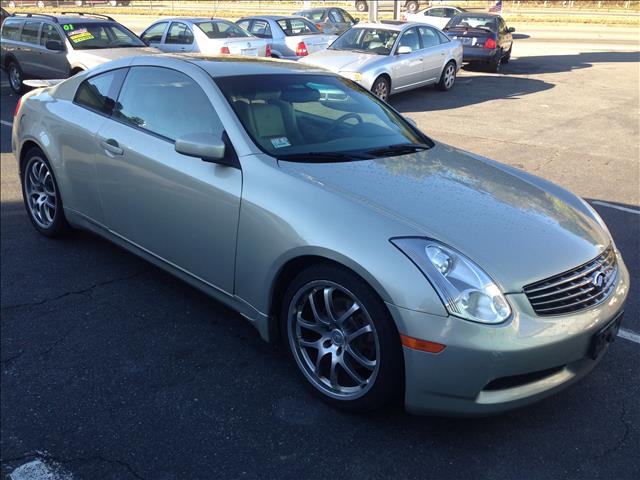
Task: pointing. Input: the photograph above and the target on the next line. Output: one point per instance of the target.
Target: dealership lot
(113, 369)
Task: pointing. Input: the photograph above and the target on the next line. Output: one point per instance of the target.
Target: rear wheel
(15, 76)
(412, 6)
(507, 57)
(42, 196)
(448, 77)
(494, 65)
(381, 87)
(361, 6)
(342, 338)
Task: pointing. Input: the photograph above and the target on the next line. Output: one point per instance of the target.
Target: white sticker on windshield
(280, 142)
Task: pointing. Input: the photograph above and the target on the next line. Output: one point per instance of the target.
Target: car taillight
(268, 54)
(225, 50)
(490, 43)
(319, 26)
(301, 50)
(15, 112)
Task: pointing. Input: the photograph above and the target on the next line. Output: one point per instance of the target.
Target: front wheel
(42, 196)
(342, 339)
(380, 88)
(15, 77)
(448, 77)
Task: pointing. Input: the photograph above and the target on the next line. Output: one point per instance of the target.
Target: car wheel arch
(26, 147)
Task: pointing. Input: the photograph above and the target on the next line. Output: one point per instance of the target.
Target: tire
(507, 57)
(362, 6)
(448, 77)
(15, 76)
(41, 195)
(494, 65)
(356, 374)
(412, 6)
(41, 4)
(381, 88)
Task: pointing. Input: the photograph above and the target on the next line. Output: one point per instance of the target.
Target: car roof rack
(85, 14)
(29, 15)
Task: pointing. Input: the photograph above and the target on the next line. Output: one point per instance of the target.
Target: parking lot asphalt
(113, 369)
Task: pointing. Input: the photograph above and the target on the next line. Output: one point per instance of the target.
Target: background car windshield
(222, 30)
(86, 36)
(470, 21)
(297, 26)
(366, 40)
(300, 114)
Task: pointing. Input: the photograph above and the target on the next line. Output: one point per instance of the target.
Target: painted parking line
(617, 207)
(6, 124)
(629, 335)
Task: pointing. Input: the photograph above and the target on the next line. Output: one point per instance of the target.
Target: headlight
(355, 76)
(464, 288)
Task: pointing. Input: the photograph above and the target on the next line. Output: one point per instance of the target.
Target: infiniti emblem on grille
(597, 280)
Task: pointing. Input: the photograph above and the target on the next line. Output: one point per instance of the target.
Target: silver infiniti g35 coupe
(389, 264)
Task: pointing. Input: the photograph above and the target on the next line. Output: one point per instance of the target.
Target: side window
(502, 25)
(410, 39)
(244, 24)
(49, 33)
(429, 37)
(165, 102)
(450, 12)
(154, 33)
(335, 16)
(179, 34)
(436, 12)
(30, 32)
(99, 93)
(261, 29)
(443, 37)
(11, 30)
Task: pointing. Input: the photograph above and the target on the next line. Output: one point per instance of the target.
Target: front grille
(577, 289)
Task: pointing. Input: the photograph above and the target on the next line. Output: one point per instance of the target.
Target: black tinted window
(165, 102)
(30, 32)
(11, 30)
(154, 33)
(99, 93)
(49, 33)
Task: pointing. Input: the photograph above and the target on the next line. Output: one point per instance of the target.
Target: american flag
(497, 8)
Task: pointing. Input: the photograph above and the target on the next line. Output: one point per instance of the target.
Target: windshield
(472, 21)
(87, 36)
(366, 40)
(219, 29)
(297, 26)
(296, 115)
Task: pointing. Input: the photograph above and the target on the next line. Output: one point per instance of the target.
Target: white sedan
(436, 16)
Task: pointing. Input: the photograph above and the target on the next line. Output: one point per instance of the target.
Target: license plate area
(607, 334)
(250, 51)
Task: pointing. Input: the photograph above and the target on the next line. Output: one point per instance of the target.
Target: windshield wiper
(398, 149)
(324, 157)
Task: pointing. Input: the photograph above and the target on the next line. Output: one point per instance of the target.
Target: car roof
(271, 17)
(192, 19)
(311, 10)
(397, 27)
(230, 65)
(478, 15)
(61, 18)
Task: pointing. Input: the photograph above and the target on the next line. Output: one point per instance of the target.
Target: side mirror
(356, 20)
(54, 45)
(404, 49)
(205, 146)
(511, 29)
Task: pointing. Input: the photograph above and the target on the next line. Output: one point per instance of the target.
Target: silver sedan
(385, 261)
(388, 58)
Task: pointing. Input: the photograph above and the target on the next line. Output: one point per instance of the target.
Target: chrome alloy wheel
(381, 90)
(334, 340)
(449, 76)
(15, 77)
(41, 192)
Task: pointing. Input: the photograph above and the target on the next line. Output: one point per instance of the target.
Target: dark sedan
(485, 38)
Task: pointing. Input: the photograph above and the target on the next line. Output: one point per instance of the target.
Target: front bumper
(476, 54)
(487, 369)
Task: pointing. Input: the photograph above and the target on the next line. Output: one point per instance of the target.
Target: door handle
(112, 147)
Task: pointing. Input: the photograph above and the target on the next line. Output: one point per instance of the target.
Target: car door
(434, 53)
(53, 63)
(408, 69)
(179, 39)
(29, 55)
(153, 35)
(181, 209)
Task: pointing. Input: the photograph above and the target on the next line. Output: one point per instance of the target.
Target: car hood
(342, 61)
(92, 58)
(517, 227)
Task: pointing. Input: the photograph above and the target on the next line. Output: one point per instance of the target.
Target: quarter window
(165, 102)
(11, 30)
(443, 37)
(30, 32)
(244, 24)
(154, 34)
(49, 33)
(99, 93)
(179, 34)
